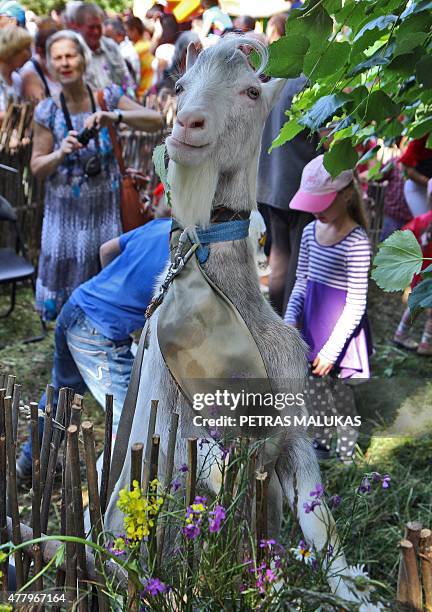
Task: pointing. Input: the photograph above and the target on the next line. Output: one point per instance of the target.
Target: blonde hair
(12, 41)
(356, 208)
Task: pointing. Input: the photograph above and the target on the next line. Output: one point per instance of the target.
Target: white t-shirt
(10, 92)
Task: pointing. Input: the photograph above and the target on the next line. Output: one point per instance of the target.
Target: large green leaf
(286, 56)
(371, 32)
(323, 62)
(316, 26)
(398, 259)
(322, 110)
(408, 42)
(380, 106)
(381, 57)
(342, 156)
(424, 71)
(421, 128)
(421, 296)
(289, 130)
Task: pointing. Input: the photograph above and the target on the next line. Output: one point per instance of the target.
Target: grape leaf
(324, 108)
(320, 63)
(286, 56)
(421, 128)
(381, 57)
(342, 156)
(421, 296)
(289, 130)
(380, 106)
(408, 42)
(398, 259)
(424, 71)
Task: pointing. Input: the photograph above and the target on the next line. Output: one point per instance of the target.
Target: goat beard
(193, 189)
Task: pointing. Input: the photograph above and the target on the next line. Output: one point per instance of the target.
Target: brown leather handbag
(134, 213)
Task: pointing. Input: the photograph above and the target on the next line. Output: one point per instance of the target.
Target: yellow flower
(139, 510)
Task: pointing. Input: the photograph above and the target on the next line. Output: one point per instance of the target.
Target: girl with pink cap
(328, 302)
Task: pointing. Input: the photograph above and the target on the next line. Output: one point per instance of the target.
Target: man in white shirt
(107, 65)
(114, 29)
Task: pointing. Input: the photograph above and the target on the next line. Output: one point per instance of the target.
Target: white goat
(213, 150)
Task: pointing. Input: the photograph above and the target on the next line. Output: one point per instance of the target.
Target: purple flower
(155, 587)
(318, 491)
(267, 543)
(334, 501)
(215, 519)
(365, 486)
(270, 575)
(202, 442)
(191, 531)
(330, 551)
(183, 468)
(200, 500)
(311, 507)
(175, 485)
(376, 477)
(386, 481)
(225, 453)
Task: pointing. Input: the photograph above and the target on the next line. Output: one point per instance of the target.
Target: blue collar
(220, 232)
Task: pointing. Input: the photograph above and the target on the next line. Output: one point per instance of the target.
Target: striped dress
(328, 301)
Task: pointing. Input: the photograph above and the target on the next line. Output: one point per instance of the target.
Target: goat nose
(192, 120)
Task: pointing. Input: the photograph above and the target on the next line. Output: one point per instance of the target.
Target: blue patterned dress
(80, 212)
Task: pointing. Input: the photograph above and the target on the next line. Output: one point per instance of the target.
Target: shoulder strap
(115, 142)
(127, 415)
(39, 70)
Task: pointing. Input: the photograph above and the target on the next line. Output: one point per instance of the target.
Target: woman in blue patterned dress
(82, 186)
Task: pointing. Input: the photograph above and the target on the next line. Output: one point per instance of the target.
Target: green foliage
(367, 62)
(43, 8)
(398, 259)
(421, 296)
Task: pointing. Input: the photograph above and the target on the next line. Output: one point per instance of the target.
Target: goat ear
(191, 55)
(273, 89)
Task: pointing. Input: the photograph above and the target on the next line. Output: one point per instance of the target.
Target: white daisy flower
(359, 582)
(303, 553)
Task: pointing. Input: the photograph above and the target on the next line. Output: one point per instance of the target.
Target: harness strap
(220, 232)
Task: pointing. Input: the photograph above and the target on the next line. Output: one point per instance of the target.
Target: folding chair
(14, 266)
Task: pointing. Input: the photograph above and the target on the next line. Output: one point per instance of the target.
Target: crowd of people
(89, 71)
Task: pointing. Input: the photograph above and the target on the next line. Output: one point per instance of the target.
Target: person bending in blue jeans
(92, 335)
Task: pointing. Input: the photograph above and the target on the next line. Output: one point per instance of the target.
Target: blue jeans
(85, 359)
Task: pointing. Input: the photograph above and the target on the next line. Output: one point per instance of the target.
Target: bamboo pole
(77, 506)
(409, 589)
(52, 460)
(11, 379)
(192, 471)
(94, 503)
(109, 412)
(412, 533)
(15, 408)
(425, 548)
(3, 490)
(47, 433)
(12, 489)
(262, 484)
(36, 492)
(154, 457)
(172, 437)
(137, 450)
(50, 547)
(150, 433)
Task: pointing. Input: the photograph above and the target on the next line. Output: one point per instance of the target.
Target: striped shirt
(345, 266)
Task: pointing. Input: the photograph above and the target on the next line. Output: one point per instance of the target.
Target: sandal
(406, 342)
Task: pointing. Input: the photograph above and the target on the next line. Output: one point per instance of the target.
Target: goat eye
(253, 93)
(178, 88)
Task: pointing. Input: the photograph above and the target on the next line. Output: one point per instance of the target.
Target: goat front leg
(318, 525)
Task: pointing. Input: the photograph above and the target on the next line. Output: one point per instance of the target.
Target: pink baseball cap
(317, 188)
